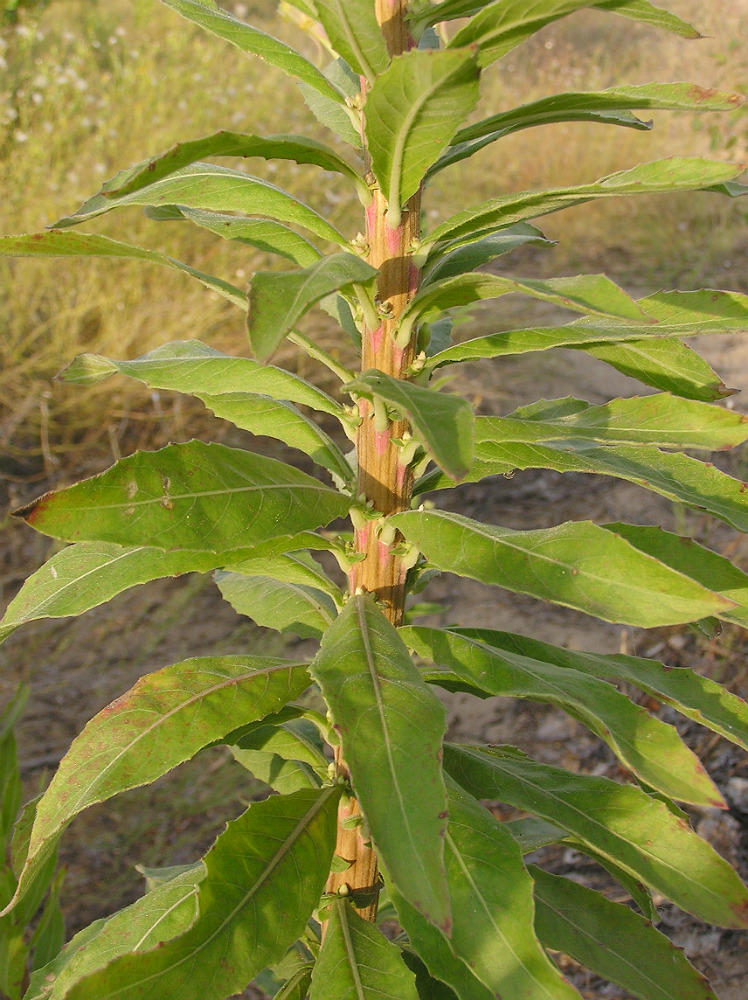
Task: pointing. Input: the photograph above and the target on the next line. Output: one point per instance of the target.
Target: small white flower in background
(20, 136)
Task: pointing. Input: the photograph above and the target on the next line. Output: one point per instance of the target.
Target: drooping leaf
(676, 476)
(443, 423)
(191, 366)
(492, 907)
(290, 567)
(161, 722)
(613, 941)
(278, 299)
(390, 726)
(352, 27)
(694, 696)
(337, 116)
(572, 564)
(264, 876)
(474, 255)
(651, 749)
(298, 148)
(276, 604)
(58, 244)
(263, 234)
(412, 111)
(665, 364)
(612, 106)
(286, 757)
(687, 556)
(256, 42)
(190, 496)
(218, 189)
(280, 420)
(501, 26)
(588, 293)
(621, 822)
(357, 961)
(674, 174)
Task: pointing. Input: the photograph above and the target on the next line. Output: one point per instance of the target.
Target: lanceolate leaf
(691, 694)
(588, 293)
(290, 567)
(277, 604)
(679, 477)
(613, 941)
(664, 364)
(357, 962)
(278, 299)
(651, 749)
(219, 189)
(333, 114)
(674, 174)
(390, 726)
(621, 822)
(264, 877)
(191, 366)
(612, 106)
(696, 561)
(662, 420)
(503, 25)
(412, 112)
(283, 756)
(285, 147)
(263, 234)
(472, 256)
(492, 907)
(58, 244)
(351, 26)
(190, 496)
(572, 564)
(249, 39)
(162, 721)
(444, 423)
(281, 420)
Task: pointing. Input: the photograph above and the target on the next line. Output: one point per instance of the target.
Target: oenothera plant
(371, 802)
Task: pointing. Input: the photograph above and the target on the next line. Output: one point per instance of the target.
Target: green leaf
(621, 822)
(493, 909)
(692, 695)
(390, 726)
(694, 560)
(58, 244)
(357, 960)
(612, 106)
(576, 564)
(269, 417)
(412, 111)
(297, 987)
(678, 477)
(443, 423)
(256, 42)
(263, 234)
(276, 604)
(161, 722)
(647, 13)
(661, 419)
(290, 567)
(219, 189)
(333, 114)
(474, 255)
(674, 174)
(193, 496)
(423, 14)
(163, 913)
(191, 366)
(613, 941)
(286, 757)
(298, 148)
(664, 364)
(648, 747)
(676, 314)
(264, 877)
(589, 293)
(278, 299)
(352, 28)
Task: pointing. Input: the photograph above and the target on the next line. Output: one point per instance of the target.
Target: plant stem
(383, 481)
